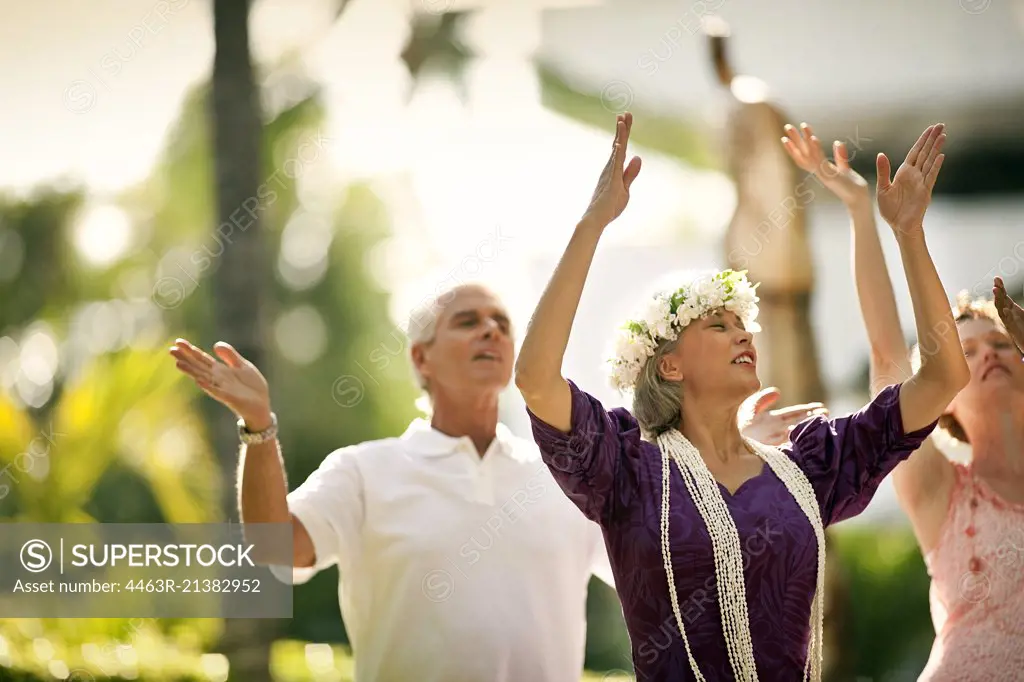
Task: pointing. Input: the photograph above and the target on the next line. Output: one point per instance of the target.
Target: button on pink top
(977, 590)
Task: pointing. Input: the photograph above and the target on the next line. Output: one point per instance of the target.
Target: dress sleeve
(595, 463)
(600, 562)
(847, 458)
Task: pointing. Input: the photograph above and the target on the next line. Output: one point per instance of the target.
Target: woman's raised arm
(923, 480)
(538, 372)
(890, 361)
(902, 201)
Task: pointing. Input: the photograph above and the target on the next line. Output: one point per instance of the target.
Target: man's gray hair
(422, 324)
(657, 402)
(422, 327)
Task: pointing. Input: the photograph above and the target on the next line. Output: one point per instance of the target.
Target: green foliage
(128, 408)
(608, 645)
(889, 623)
(104, 649)
(128, 443)
(364, 350)
(291, 661)
(36, 277)
(669, 135)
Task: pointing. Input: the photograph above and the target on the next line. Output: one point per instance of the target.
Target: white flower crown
(668, 313)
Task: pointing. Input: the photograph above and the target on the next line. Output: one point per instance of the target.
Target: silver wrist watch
(256, 437)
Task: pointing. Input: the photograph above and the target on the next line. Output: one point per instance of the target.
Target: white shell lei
(725, 542)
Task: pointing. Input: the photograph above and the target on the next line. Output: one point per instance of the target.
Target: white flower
(715, 298)
(743, 290)
(663, 329)
(656, 313)
(686, 314)
(632, 350)
(623, 341)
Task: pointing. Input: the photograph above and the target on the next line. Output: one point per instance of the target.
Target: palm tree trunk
(239, 278)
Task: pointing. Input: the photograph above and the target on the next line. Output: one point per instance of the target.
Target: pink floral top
(977, 590)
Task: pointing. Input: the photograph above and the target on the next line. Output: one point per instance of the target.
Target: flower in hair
(667, 313)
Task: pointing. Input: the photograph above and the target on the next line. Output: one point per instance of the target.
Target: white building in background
(887, 67)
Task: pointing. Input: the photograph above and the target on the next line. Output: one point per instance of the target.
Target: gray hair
(422, 324)
(657, 402)
(422, 327)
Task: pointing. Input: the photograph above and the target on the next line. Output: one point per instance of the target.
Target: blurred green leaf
(671, 135)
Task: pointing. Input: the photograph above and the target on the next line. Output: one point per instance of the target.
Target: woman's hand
(1010, 313)
(772, 427)
(612, 192)
(235, 383)
(837, 177)
(904, 200)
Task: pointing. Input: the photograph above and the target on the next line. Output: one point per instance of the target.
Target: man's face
(472, 347)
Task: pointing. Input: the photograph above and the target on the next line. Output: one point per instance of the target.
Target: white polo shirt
(454, 567)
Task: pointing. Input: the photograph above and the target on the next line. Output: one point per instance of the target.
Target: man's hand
(612, 192)
(235, 382)
(772, 427)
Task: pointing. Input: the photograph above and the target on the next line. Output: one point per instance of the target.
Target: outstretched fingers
(926, 149)
(230, 356)
(617, 168)
(1002, 299)
(194, 353)
(841, 156)
(884, 173)
(933, 153)
(933, 172)
(192, 360)
(931, 149)
(797, 413)
(621, 141)
(810, 141)
(186, 367)
(765, 398)
(632, 170)
(794, 143)
(614, 164)
(915, 151)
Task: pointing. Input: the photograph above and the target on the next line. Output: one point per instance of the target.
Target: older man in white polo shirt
(460, 560)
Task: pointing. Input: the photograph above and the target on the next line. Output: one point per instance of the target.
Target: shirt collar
(424, 439)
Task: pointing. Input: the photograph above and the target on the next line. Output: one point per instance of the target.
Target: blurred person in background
(968, 519)
(732, 542)
(459, 558)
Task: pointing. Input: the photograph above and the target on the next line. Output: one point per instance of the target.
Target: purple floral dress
(615, 478)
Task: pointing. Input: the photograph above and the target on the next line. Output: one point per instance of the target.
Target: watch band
(256, 437)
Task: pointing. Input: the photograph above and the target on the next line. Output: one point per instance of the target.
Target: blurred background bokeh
(292, 176)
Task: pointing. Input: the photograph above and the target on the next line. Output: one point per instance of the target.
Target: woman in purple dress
(717, 541)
